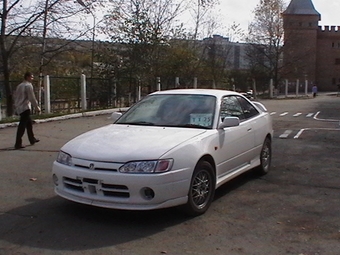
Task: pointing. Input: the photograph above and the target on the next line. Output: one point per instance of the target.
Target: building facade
(311, 52)
(233, 53)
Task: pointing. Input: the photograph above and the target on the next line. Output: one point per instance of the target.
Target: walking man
(314, 90)
(24, 99)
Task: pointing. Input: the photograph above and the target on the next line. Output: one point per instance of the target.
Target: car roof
(212, 92)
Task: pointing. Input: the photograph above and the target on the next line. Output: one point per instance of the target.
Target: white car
(172, 148)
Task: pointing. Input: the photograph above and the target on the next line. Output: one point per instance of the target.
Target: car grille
(96, 168)
(96, 187)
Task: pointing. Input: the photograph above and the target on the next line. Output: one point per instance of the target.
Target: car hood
(121, 143)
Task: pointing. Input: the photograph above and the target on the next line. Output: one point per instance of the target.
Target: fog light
(148, 193)
(55, 180)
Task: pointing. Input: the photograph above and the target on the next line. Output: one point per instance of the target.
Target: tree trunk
(9, 94)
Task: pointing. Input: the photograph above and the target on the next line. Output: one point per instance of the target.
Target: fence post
(213, 84)
(306, 87)
(297, 87)
(195, 82)
(271, 88)
(158, 83)
(254, 89)
(83, 92)
(286, 88)
(115, 93)
(139, 92)
(47, 94)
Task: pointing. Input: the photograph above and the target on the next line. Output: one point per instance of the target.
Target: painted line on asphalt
(299, 133)
(306, 129)
(285, 134)
(297, 114)
(283, 114)
(330, 120)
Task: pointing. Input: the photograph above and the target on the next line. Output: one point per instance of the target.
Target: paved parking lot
(293, 210)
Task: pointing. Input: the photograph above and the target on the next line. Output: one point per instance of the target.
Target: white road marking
(305, 129)
(286, 134)
(283, 114)
(272, 113)
(299, 133)
(330, 120)
(297, 114)
(310, 114)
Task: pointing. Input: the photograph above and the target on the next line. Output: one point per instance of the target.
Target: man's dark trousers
(25, 123)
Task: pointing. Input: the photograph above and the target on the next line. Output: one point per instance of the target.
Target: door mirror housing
(115, 116)
(229, 122)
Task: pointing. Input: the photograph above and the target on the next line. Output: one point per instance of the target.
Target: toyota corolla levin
(172, 148)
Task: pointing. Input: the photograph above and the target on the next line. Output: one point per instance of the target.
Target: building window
(337, 61)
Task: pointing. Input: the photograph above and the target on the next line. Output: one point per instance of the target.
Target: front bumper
(112, 189)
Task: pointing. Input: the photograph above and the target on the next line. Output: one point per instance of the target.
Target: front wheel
(265, 157)
(202, 189)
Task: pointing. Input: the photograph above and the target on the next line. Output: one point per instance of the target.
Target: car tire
(202, 189)
(265, 157)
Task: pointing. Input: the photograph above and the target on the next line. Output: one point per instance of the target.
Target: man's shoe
(35, 141)
(18, 147)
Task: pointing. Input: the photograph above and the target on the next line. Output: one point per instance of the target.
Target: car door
(236, 143)
(255, 120)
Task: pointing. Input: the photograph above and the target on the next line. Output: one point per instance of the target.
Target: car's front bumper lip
(118, 205)
(121, 191)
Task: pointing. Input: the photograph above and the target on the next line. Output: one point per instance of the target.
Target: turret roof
(301, 7)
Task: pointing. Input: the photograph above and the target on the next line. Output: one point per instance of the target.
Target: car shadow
(58, 224)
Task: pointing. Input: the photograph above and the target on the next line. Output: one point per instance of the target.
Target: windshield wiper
(144, 123)
(193, 126)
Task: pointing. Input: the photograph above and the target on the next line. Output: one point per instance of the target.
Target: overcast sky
(240, 11)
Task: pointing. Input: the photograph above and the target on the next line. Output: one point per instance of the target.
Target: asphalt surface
(294, 209)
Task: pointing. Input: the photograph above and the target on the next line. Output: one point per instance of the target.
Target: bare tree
(24, 29)
(235, 32)
(141, 29)
(200, 13)
(266, 39)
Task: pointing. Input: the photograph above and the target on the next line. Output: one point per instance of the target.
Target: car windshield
(173, 110)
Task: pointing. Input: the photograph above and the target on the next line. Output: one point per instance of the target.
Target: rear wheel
(202, 189)
(265, 157)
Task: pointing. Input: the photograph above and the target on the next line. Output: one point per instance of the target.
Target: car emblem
(91, 166)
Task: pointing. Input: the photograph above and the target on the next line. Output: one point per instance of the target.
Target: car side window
(249, 110)
(230, 107)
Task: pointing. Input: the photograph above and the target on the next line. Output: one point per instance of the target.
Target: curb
(69, 116)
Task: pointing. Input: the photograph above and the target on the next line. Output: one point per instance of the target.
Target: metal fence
(65, 92)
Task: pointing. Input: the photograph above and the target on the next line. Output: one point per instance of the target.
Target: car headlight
(64, 158)
(147, 166)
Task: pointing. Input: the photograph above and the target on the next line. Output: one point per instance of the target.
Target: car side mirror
(229, 122)
(115, 116)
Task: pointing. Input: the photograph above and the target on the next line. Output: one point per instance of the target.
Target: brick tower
(300, 22)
